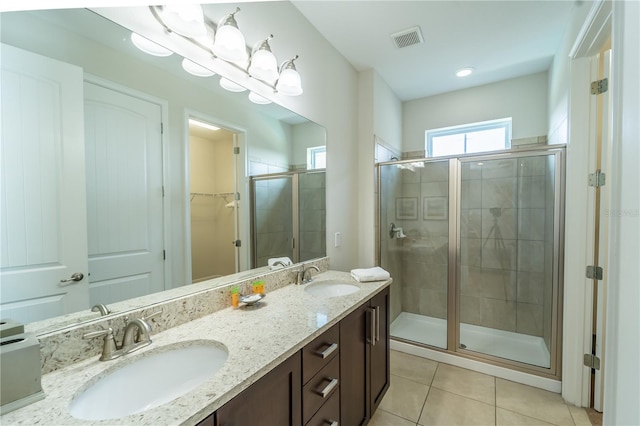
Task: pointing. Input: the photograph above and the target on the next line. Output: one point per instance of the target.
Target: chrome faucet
(101, 308)
(281, 263)
(302, 272)
(137, 334)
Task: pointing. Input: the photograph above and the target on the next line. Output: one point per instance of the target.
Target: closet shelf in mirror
(206, 194)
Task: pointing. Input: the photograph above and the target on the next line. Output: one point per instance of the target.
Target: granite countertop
(257, 339)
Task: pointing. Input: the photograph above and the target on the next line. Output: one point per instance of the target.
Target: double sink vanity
(309, 354)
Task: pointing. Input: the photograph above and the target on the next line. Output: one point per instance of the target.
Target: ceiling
(499, 39)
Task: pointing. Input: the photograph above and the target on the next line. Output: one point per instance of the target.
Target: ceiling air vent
(408, 37)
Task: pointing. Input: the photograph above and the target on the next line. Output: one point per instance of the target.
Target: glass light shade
(184, 19)
(149, 47)
(289, 82)
(464, 72)
(229, 44)
(231, 86)
(257, 99)
(264, 66)
(196, 69)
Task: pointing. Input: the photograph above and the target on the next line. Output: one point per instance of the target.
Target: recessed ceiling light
(464, 72)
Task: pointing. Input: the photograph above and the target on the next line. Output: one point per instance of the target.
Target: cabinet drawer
(320, 388)
(319, 352)
(329, 413)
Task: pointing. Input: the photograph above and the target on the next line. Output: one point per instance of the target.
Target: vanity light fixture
(147, 46)
(289, 82)
(257, 99)
(229, 85)
(463, 72)
(196, 69)
(184, 19)
(229, 43)
(194, 122)
(263, 65)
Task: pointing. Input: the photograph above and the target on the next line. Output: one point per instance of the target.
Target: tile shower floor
(424, 392)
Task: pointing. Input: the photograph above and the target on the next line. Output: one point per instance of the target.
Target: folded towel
(370, 274)
(284, 260)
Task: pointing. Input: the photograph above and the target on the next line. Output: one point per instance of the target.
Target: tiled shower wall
(273, 219)
(312, 212)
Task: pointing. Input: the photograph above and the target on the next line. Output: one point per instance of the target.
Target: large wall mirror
(112, 189)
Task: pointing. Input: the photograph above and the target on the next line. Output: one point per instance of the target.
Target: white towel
(284, 260)
(370, 274)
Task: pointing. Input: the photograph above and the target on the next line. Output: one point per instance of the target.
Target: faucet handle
(148, 317)
(109, 348)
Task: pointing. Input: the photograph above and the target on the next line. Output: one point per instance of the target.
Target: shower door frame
(454, 260)
(295, 205)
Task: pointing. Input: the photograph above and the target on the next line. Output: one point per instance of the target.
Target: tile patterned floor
(426, 393)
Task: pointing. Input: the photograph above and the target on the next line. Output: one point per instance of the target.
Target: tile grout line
(424, 404)
(495, 401)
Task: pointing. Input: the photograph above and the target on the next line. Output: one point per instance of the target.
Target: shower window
(485, 136)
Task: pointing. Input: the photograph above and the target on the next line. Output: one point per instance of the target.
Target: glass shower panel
(312, 241)
(272, 221)
(506, 257)
(414, 242)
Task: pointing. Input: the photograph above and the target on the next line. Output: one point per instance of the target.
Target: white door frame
(166, 204)
(242, 183)
(579, 231)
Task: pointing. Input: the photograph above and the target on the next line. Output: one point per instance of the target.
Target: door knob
(78, 276)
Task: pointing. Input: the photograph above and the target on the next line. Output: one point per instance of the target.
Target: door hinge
(595, 272)
(237, 196)
(236, 150)
(164, 255)
(597, 179)
(162, 191)
(591, 361)
(237, 243)
(599, 86)
(162, 128)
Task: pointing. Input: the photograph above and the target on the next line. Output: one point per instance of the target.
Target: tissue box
(9, 327)
(20, 371)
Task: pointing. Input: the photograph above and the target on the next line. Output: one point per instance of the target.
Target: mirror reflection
(107, 176)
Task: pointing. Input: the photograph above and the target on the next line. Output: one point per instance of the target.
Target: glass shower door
(414, 248)
(507, 257)
(272, 222)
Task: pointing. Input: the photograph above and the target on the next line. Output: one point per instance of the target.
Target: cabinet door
(380, 350)
(354, 360)
(272, 400)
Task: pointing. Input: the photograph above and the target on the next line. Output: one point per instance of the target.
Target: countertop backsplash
(65, 347)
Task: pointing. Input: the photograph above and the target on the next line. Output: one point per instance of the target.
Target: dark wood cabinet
(272, 400)
(364, 360)
(379, 359)
(338, 378)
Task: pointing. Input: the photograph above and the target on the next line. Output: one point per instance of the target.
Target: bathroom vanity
(298, 358)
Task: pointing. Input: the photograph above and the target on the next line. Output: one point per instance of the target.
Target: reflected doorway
(214, 204)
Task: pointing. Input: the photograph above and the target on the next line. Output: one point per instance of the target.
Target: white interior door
(43, 216)
(124, 195)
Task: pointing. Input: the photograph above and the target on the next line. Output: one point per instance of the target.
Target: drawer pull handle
(331, 349)
(331, 422)
(377, 323)
(327, 389)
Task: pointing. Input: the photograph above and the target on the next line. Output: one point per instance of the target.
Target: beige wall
(212, 224)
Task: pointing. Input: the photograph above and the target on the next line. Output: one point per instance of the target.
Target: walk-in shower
(476, 255)
(288, 216)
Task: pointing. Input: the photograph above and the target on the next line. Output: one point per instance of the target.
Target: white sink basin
(153, 379)
(330, 288)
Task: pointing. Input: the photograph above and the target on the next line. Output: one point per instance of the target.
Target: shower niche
(478, 271)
